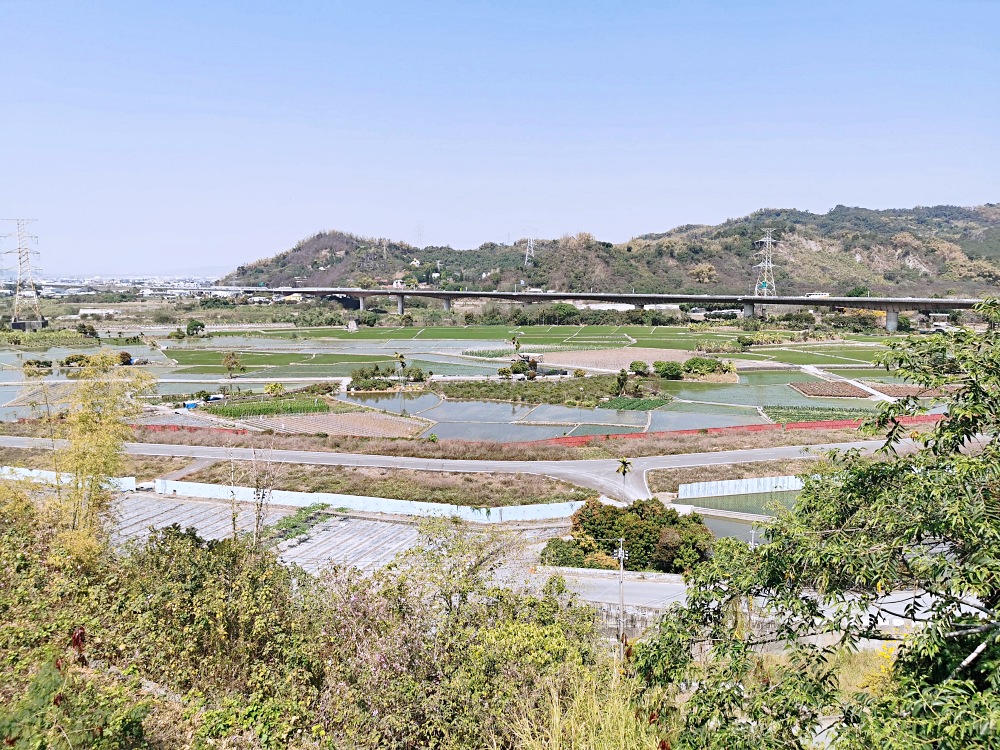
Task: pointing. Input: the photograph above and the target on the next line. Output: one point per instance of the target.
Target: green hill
(937, 249)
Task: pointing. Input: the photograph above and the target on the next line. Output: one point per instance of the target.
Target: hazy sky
(171, 136)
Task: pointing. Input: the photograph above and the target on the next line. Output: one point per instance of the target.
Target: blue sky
(173, 136)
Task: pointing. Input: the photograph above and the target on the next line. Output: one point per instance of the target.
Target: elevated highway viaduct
(750, 304)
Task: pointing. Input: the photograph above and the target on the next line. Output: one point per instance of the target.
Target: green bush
(63, 711)
(639, 367)
(562, 553)
(706, 366)
(669, 370)
(656, 537)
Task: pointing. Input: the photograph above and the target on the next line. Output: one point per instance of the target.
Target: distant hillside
(938, 249)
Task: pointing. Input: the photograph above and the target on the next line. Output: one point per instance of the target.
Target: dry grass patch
(484, 449)
(419, 448)
(669, 445)
(141, 467)
(458, 488)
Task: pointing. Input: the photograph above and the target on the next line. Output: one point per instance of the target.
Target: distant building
(99, 312)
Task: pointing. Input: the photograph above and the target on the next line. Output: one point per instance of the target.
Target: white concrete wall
(738, 487)
(122, 484)
(371, 504)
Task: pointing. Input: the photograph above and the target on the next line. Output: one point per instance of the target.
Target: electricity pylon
(25, 293)
(765, 269)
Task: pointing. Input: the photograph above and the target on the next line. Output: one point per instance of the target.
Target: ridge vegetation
(918, 251)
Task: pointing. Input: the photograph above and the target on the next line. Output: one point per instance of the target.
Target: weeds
(455, 488)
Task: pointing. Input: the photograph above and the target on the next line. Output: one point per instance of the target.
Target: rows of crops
(242, 410)
(623, 403)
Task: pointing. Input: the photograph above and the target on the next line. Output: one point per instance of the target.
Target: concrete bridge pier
(891, 320)
(361, 303)
(447, 304)
(399, 304)
(748, 311)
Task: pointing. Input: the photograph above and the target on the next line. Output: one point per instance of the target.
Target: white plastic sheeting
(724, 487)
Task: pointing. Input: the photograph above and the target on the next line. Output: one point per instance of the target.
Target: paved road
(597, 474)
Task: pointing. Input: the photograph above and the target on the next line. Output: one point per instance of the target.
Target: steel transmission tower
(25, 293)
(529, 253)
(765, 269)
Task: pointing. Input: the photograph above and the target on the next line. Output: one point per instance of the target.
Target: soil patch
(613, 359)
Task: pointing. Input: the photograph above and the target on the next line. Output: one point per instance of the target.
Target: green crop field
(270, 359)
(623, 403)
(268, 408)
(857, 349)
(814, 413)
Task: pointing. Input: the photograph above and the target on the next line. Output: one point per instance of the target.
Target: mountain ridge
(926, 249)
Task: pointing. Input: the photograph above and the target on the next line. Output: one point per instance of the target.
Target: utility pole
(622, 556)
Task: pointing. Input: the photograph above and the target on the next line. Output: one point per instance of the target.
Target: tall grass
(595, 713)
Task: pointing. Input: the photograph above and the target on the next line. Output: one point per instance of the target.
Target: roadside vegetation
(143, 468)
(456, 488)
(600, 446)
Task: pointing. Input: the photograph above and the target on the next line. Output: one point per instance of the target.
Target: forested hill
(924, 250)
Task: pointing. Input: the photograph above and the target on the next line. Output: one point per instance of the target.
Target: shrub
(75, 360)
(669, 370)
(706, 366)
(579, 373)
(562, 553)
(656, 537)
(639, 367)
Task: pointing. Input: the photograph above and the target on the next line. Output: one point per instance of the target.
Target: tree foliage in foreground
(656, 538)
(249, 652)
(904, 551)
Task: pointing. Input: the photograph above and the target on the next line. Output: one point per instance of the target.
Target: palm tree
(624, 467)
(401, 359)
